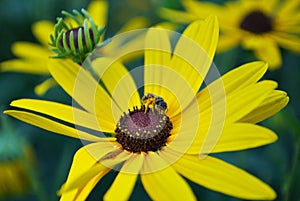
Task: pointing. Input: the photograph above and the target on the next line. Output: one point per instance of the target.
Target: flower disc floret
(257, 22)
(139, 131)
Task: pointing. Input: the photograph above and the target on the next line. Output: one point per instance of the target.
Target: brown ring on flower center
(257, 22)
(139, 131)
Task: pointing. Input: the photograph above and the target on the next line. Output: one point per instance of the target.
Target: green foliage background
(276, 164)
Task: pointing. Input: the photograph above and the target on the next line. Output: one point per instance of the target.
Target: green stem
(291, 177)
(295, 126)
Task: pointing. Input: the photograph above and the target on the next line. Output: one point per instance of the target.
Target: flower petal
(240, 136)
(50, 125)
(81, 194)
(227, 41)
(134, 23)
(98, 10)
(171, 86)
(86, 164)
(30, 50)
(270, 53)
(124, 183)
(234, 80)
(118, 82)
(195, 50)
(84, 159)
(181, 17)
(66, 113)
(157, 48)
(286, 40)
(33, 66)
(244, 101)
(164, 184)
(223, 111)
(42, 30)
(265, 49)
(42, 88)
(223, 177)
(272, 104)
(84, 89)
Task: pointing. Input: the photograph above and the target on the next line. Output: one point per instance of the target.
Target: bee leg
(147, 106)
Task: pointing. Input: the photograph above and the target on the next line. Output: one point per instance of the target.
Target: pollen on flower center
(257, 22)
(142, 131)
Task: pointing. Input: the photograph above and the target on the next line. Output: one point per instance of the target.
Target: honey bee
(153, 101)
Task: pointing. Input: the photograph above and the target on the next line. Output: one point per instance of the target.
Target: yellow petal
(244, 101)
(118, 82)
(224, 178)
(242, 136)
(86, 164)
(244, 75)
(185, 128)
(288, 41)
(124, 47)
(265, 49)
(272, 104)
(213, 106)
(159, 78)
(227, 41)
(50, 125)
(195, 50)
(157, 47)
(42, 30)
(84, 177)
(84, 159)
(176, 16)
(30, 50)
(81, 194)
(164, 184)
(98, 10)
(124, 183)
(171, 86)
(33, 66)
(42, 88)
(288, 7)
(134, 23)
(202, 9)
(66, 113)
(222, 110)
(84, 89)
(238, 78)
(270, 53)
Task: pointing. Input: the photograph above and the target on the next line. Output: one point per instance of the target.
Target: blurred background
(51, 154)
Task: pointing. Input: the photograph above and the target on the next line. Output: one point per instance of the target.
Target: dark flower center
(142, 131)
(75, 32)
(257, 22)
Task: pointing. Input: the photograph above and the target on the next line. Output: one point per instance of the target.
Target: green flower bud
(75, 42)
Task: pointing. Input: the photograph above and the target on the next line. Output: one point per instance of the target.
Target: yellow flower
(262, 26)
(34, 58)
(15, 158)
(171, 131)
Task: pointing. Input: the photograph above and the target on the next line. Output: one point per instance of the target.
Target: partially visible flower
(159, 138)
(262, 26)
(16, 160)
(75, 41)
(34, 58)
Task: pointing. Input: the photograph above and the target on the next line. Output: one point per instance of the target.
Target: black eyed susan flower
(16, 161)
(171, 129)
(262, 26)
(34, 58)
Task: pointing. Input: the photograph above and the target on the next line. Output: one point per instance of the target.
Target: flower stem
(290, 179)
